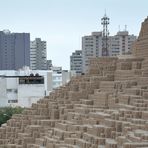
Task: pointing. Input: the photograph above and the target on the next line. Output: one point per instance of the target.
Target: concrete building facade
(58, 78)
(14, 50)
(121, 43)
(49, 64)
(24, 87)
(38, 55)
(76, 61)
(91, 48)
(21, 90)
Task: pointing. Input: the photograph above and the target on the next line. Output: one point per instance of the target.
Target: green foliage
(7, 112)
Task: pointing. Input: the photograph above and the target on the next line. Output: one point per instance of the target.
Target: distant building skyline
(63, 23)
(118, 44)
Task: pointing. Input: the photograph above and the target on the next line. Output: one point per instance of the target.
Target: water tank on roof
(6, 31)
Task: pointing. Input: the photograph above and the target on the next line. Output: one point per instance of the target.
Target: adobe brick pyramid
(107, 108)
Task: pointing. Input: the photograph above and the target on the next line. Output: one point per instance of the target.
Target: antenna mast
(125, 27)
(105, 34)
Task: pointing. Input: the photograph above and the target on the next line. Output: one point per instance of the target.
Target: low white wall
(28, 94)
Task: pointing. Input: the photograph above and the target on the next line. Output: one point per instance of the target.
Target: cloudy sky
(62, 23)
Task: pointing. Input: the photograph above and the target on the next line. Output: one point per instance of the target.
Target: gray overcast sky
(62, 23)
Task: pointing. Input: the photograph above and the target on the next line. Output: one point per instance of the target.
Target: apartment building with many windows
(38, 55)
(14, 50)
(91, 48)
(121, 43)
(76, 62)
(118, 44)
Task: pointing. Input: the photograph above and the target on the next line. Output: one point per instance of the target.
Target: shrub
(7, 112)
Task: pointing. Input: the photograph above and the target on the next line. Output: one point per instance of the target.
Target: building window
(12, 101)
(31, 80)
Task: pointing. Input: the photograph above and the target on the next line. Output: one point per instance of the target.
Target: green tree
(7, 112)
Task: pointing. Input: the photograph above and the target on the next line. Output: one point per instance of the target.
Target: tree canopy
(7, 112)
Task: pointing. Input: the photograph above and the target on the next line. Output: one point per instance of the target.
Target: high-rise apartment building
(91, 47)
(76, 61)
(38, 55)
(117, 45)
(121, 43)
(14, 50)
(49, 64)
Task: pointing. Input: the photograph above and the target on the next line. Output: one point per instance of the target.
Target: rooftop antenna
(119, 28)
(105, 13)
(105, 34)
(125, 27)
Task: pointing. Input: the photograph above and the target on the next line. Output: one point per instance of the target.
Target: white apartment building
(38, 55)
(24, 87)
(121, 43)
(76, 62)
(117, 45)
(58, 78)
(91, 47)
